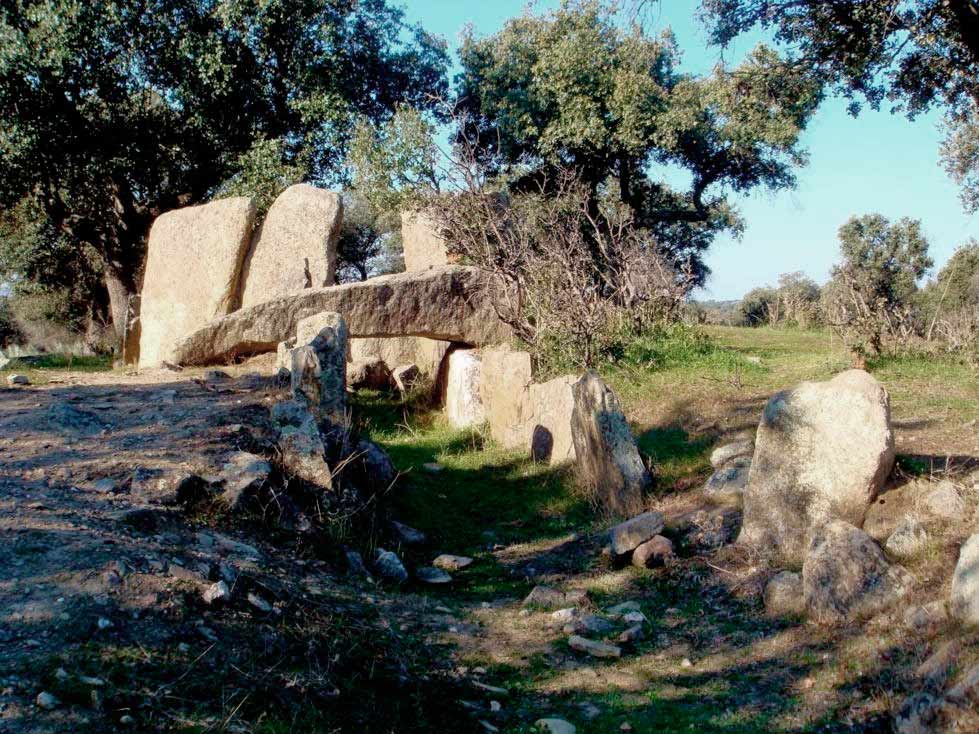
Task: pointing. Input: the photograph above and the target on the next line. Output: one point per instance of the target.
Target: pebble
(433, 467)
(127, 720)
(46, 701)
(258, 602)
(593, 648)
(685, 663)
(448, 562)
(104, 623)
(624, 608)
(634, 618)
(217, 592)
(555, 726)
(18, 380)
(430, 575)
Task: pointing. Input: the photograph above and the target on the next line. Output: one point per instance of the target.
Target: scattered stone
(217, 592)
(633, 618)
(192, 273)
(127, 720)
(590, 624)
(629, 535)
(71, 420)
(389, 566)
(632, 635)
(607, 458)
(784, 595)
(289, 413)
(923, 617)
(685, 663)
(944, 501)
(822, 452)
(934, 671)
(242, 476)
(624, 608)
(430, 575)
(103, 623)
(726, 485)
(845, 575)
(967, 688)
(259, 603)
(554, 726)
(433, 467)
(216, 376)
(319, 367)
(448, 304)
(545, 597)
(655, 552)
(14, 380)
(406, 534)
(564, 616)
(379, 473)
(739, 449)
(104, 486)
(919, 714)
(593, 648)
(47, 701)
(405, 377)
(355, 565)
(964, 601)
(295, 247)
(448, 562)
(908, 539)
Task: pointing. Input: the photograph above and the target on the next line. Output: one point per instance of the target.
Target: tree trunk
(120, 293)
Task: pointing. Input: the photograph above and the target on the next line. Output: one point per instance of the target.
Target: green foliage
(575, 88)
(395, 165)
(957, 283)
(367, 245)
(10, 332)
(263, 172)
(113, 112)
(758, 305)
(915, 54)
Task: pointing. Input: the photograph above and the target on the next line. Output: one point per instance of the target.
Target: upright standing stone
(607, 458)
(193, 269)
(463, 402)
(822, 452)
(552, 403)
(319, 369)
(423, 246)
(296, 246)
(505, 391)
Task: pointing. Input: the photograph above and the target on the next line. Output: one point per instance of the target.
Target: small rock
(726, 486)
(919, 714)
(624, 608)
(944, 501)
(355, 565)
(728, 452)
(406, 534)
(259, 603)
(103, 623)
(628, 536)
(449, 562)
(127, 720)
(243, 475)
(591, 624)
(104, 486)
(13, 380)
(934, 671)
(564, 616)
(554, 726)
(390, 567)
(631, 635)
(685, 663)
(593, 648)
(923, 617)
(217, 592)
(215, 375)
(545, 597)
(430, 575)
(658, 551)
(634, 618)
(433, 467)
(47, 701)
(908, 538)
(784, 596)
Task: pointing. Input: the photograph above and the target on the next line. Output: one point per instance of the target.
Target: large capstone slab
(822, 452)
(193, 269)
(448, 303)
(296, 246)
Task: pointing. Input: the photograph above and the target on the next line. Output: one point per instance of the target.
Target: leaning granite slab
(193, 267)
(447, 303)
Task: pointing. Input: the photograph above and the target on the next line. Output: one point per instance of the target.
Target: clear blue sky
(877, 162)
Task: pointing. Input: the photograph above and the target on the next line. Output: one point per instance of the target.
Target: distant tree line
(877, 298)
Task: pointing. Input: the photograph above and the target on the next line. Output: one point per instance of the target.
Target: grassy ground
(39, 368)
(526, 524)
